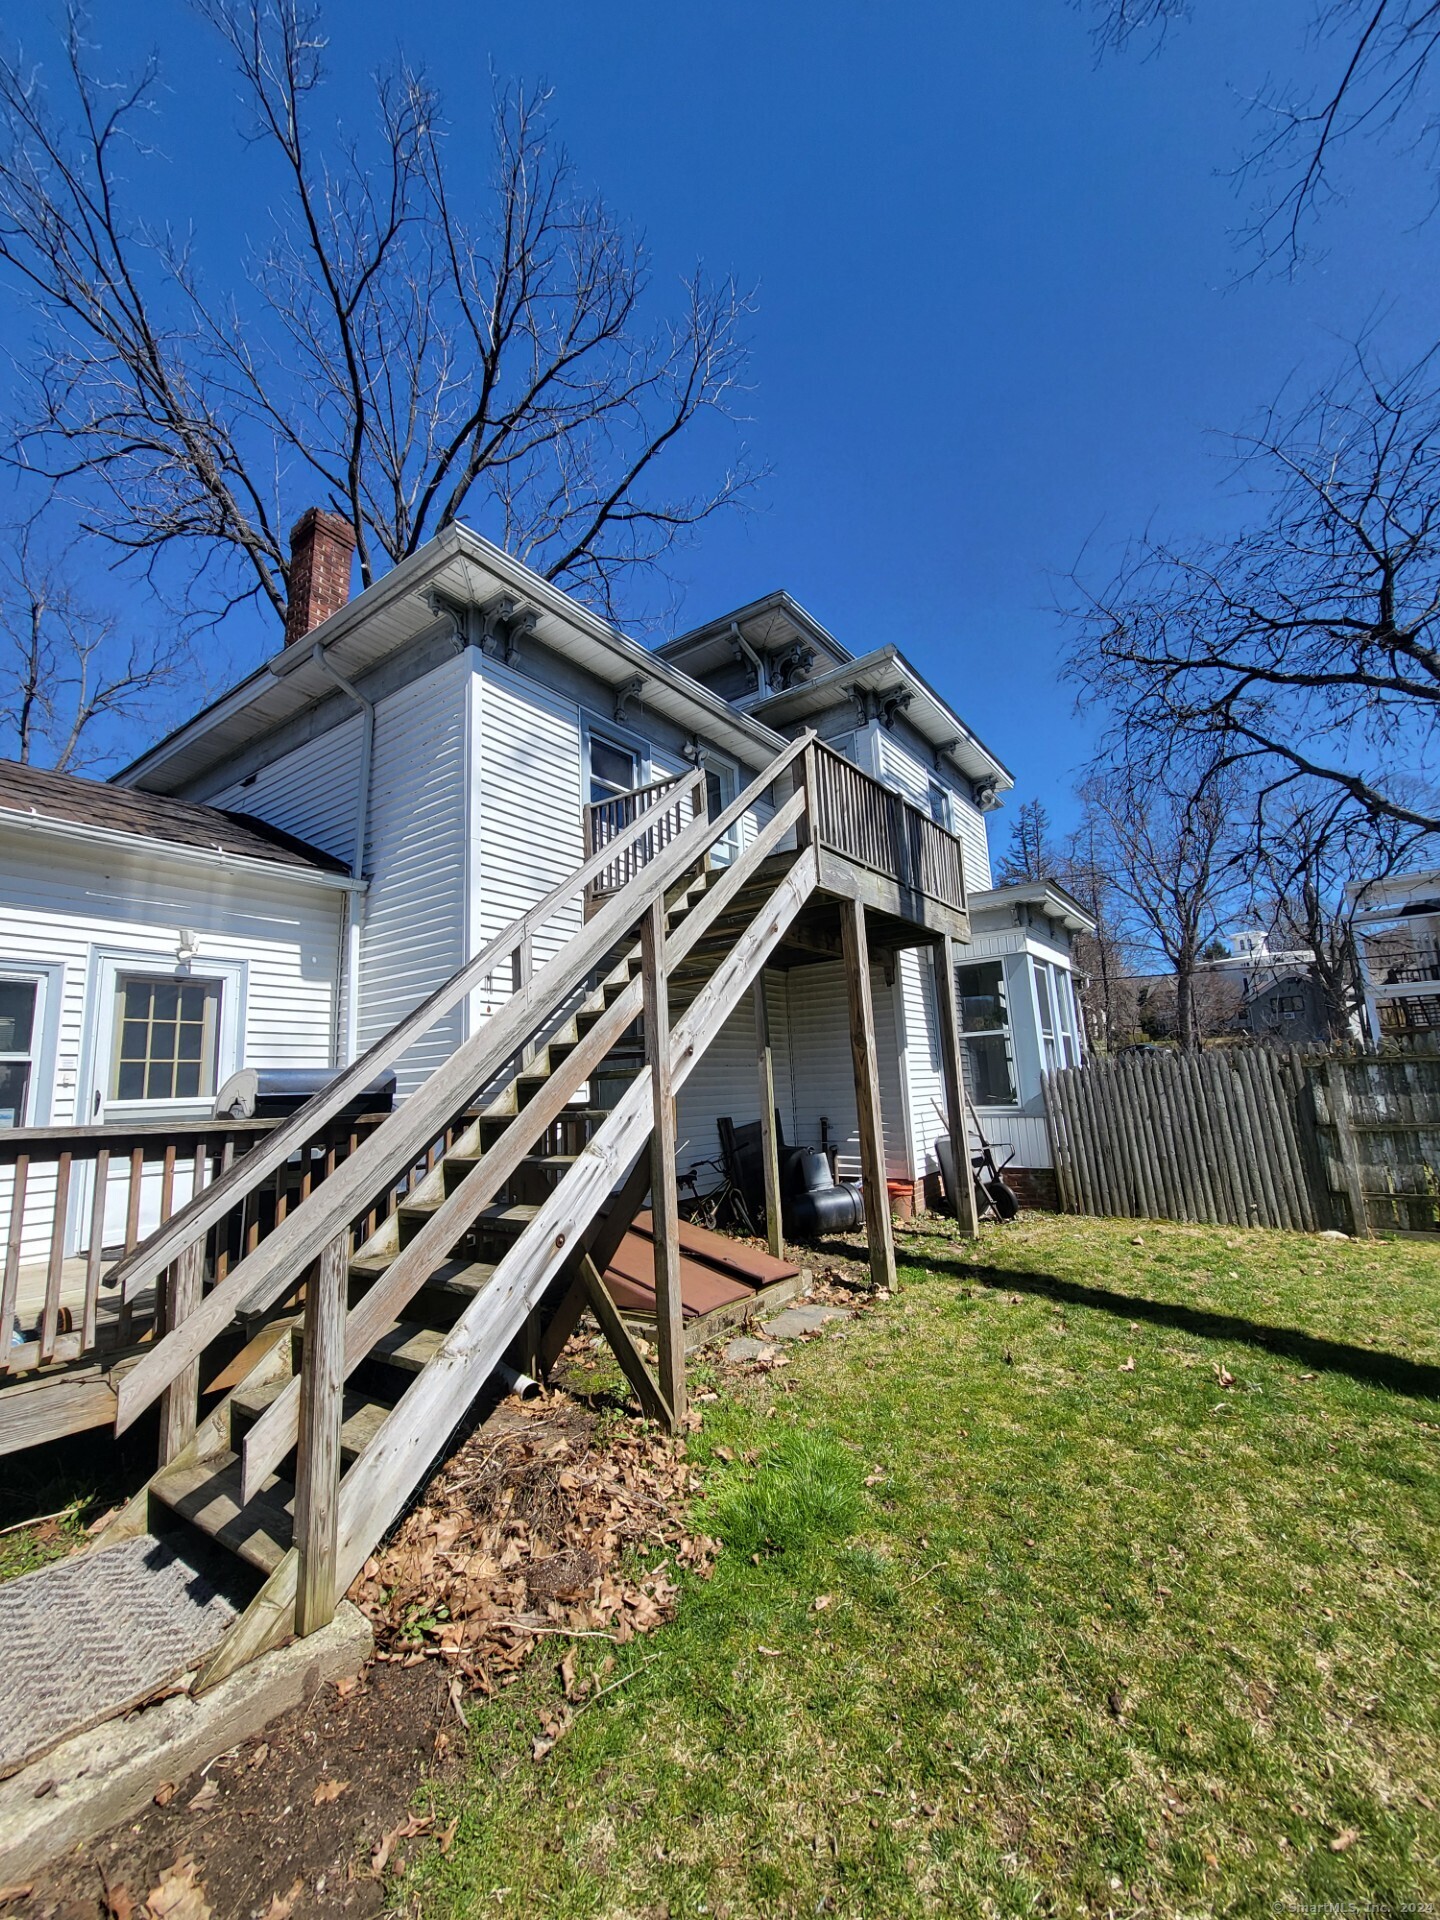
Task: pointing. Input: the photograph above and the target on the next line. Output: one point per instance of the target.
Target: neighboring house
(1279, 996)
(424, 759)
(1397, 938)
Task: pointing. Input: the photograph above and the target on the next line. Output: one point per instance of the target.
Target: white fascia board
(148, 846)
(627, 658)
(890, 659)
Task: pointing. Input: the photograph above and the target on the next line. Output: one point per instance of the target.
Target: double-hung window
(21, 1023)
(614, 769)
(985, 1034)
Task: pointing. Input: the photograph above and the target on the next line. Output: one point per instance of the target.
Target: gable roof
(32, 796)
(771, 622)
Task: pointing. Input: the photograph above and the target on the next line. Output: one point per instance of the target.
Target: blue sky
(998, 315)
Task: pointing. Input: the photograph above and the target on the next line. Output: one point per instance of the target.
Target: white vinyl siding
(822, 1071)
(922, 1068)
(725, 1081)
(311, 792)
(414, 931)
(63, 907)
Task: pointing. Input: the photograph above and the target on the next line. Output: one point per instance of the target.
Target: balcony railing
(74, 1200)
(869, 823)
(850, 813)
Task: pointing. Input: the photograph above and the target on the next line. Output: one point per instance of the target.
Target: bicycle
(719, 1206)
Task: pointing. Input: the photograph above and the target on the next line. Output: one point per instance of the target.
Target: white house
(1397, 936)
(295, 867)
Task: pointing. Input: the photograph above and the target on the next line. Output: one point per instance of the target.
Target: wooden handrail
(272, 1436)
(150, 1259)
(259, 1279)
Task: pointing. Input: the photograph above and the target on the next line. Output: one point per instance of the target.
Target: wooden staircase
(519, 1186)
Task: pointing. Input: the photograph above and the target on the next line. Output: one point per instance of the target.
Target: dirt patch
(287, 1824)
(551, 1520)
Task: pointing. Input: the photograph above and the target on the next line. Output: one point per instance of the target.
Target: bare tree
(1306, 648)
(1306, 852)
(396, 352)
(68, 678)
(1381, 57)
(1030, 854)
(1168, 849)
(1101, 958)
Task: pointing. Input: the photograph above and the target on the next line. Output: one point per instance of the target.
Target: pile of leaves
(540, 1526)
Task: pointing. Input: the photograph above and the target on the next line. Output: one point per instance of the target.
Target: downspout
(743, 646)
(355, 907)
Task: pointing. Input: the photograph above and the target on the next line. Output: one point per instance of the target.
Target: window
(985, 1034)
(165, 1038)
(939, 804)
(613, 769)
(1055, 1008)
(19, 1039)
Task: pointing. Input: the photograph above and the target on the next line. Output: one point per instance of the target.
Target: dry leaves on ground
(180, 1895)
(525, 1533)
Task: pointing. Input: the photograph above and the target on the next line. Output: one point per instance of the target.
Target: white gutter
(355, 911)
(149, 844)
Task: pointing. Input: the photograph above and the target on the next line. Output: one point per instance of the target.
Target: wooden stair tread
(504, 1214)
(361, 1416)
(408, 1346)
(208, 1496)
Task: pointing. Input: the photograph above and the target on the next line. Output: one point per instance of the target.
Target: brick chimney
(321, 548)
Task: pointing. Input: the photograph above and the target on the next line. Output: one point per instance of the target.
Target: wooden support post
(769, 1144)
(952, 1061)
(664, 1209)
(867, 1094)
(317, 1479)
(179, 1403)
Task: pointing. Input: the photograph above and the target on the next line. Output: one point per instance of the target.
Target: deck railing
(853, 814)
(869, 823)
(669, 801)
(74, 1200)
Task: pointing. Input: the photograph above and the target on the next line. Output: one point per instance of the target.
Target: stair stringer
(377, 1488)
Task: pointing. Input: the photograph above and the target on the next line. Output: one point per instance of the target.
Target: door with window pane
(165, 1039)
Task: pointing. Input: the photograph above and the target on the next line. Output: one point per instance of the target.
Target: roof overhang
(886, 671)
(458, 570)
(767, 626)
(149, 846)
(1044, 895)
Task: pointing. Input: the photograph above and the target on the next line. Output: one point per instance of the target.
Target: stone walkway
(793, 1324)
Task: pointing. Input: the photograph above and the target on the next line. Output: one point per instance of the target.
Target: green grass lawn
(1083, 1576)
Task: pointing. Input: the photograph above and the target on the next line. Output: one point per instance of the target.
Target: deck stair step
(362, 1416)
(407, 1346)
(207, 1494)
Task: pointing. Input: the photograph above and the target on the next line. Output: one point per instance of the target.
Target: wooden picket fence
(1252, 1137)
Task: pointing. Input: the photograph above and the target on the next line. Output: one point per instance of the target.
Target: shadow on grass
(1315, 1354)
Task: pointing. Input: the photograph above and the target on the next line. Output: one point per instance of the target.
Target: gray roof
(34, 793)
